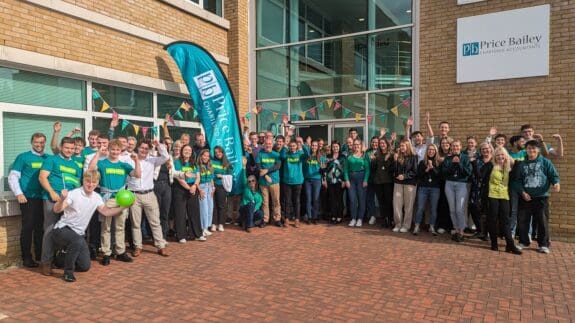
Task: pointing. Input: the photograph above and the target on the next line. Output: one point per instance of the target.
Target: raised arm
(55, 134)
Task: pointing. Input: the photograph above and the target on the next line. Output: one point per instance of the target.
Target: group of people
(69, 210)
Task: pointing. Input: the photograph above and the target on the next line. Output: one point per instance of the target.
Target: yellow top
(499, 184)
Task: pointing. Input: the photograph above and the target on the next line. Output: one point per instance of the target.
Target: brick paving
(314, 273)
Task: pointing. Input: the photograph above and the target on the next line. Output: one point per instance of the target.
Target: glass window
(176, 132)
(389, 13)
(271, 26)
(18, 128)
(337, 107)
(389, 110)
(272, 73)
(23, 87)
(171, 105)
(329, 67)
(213, 6)
(271, 116)
(127, 128)
(393, 56)
(123, 101)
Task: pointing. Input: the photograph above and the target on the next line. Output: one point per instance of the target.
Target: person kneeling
(78, 206)
(251, 206)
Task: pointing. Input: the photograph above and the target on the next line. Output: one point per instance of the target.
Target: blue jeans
(248, 215)
(312, 189)
(456, 193)
(356, 195)
(425, 194)
(206, 206)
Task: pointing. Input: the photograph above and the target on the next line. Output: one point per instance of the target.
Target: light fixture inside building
(361, 19)
(408, 11)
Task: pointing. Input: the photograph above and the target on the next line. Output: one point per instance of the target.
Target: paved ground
(314, 273)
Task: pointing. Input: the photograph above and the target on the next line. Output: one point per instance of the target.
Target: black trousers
(335, 196)
(499, 211)
(293, 200)
(220, 205)
(187, 212)
(77, 252)
(536, 209)
(163, 192)
(443, 217)
(384, 193)
(476, 216)
(32, 228)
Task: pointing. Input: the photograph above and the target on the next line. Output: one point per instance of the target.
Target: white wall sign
(460, 2)
(503, 45)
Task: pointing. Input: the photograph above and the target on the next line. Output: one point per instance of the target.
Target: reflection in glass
(270, 115)
(170, 104)
(330, 108)
(391, 65)
(272, 73)
(122, 100)
(390, 110)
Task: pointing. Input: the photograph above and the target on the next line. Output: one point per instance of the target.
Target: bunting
(185, 106)
(136, 129)
(95, 94)
(357, 117)
(144, 131)
(155, 131)
(395, 111)
(302, 115)
(179, 114)
(125, 123)
(105, 106)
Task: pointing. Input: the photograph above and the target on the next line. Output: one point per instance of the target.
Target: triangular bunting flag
(312, 112)
(248, 116)
(136, 128)
(179, 114)
(125, 123)
(346, 112)
(302, 115)
(275, 115)
(406, 103)
(337, 106)
(357, 117)
(144, 131)
(395, 111)
(321, 107)
(195, 115)
(105, 106)
(155, 131)
(95, 94)
(185, 106)
(329, 102)
(255, 110)
(369, 118)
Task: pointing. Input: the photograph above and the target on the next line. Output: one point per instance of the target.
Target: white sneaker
(358, 223)
(213, 228)
(207, 233)
(521, 246)
(432, 230)
(372, 220)
(351, 223)
(182, 241)
(221, 227)
(441, 230)
(403, 230)
(544, 250)
(416, 229)
(396, 229)
(202, 238)
(453, 231)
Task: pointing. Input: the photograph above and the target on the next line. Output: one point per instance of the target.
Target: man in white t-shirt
(78, 206)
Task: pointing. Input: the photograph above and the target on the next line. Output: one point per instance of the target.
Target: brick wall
(548, 103)
(236, 11)
(9, 241)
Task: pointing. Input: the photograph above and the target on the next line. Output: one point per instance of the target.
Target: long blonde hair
(437, 159)
(508, 160)
(408, 151)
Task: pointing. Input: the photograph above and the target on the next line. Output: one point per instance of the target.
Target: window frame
(200, 4)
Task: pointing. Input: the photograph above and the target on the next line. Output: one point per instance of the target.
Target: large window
(213, 6)
(107, 98)
(23, 87)
(389, 110)
(172, 105)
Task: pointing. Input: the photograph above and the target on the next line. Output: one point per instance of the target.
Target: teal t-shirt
(219, 170)
(113, 175)
(206, 175)
(312, 167)
(87, 151)
(267, 160)
(64, 173)
(187, 167)
(29, 165)
(518, 156)
(79, 160)
(292, 166)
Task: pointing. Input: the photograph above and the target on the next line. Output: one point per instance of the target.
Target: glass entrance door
(315, 131)
(329, 131)
(340, 131)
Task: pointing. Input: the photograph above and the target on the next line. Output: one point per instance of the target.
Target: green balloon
(125, 198)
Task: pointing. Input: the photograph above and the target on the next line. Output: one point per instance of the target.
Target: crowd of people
(492, 188)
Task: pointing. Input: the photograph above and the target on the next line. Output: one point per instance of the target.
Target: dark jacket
(382, 169)
(456, 172)
(428, 179)
(408, 169)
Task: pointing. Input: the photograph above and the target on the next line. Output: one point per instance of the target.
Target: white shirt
(79, 211)
(89, 158)
(147, 167)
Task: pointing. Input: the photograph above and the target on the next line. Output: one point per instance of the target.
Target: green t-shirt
(64, 173)
(206, 175)
(267, 160)
(518, 156)
(187, 167)
(356, 164)
(113, 175)
(219, 170)
(29, 165)
(87, 151)
(312, 167)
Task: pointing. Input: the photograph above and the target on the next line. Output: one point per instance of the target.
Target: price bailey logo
(511, 44)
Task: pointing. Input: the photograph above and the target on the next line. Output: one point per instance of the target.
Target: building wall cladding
(548, 103)
(34, 28)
